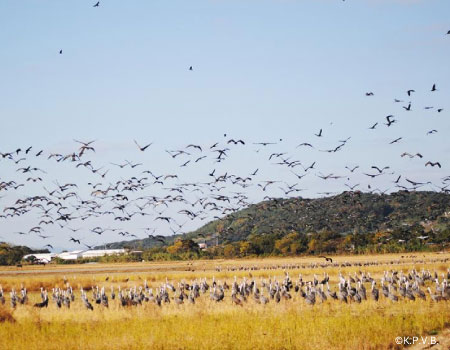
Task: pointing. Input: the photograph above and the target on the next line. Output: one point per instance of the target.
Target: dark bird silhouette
(190, 68)
(369, 94)
(194, 146)
(142, 149)
(97, 4)
(396, 140)
(319, 134)
(200, 158)
(264, 143)
(327, 259)
(433, 164)
(408, 108)
(164, 218)
(404, 154)
(379, 170)
(305, 144)
(390, 120)
(74, 240)
(236, 142)
(409, 92)
(432, 132)
(60, 52)
(434, 88)
(352, 169)
(373, 126)
(310, 167)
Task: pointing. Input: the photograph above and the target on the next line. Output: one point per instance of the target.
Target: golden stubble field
(207, 324)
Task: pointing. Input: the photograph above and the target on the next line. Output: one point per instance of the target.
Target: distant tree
(183, 246)
(291, 244)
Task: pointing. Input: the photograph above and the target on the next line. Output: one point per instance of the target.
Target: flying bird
(319, 134)
(97, 4)
(142, 149)
(379, 170)
(74, 240)
(305, 144)
(327, 259)
(396, 140)
(352, 169)
(433, 164)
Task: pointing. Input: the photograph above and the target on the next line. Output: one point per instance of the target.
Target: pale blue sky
(263, 70)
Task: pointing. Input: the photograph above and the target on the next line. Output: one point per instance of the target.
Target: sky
(262, 71)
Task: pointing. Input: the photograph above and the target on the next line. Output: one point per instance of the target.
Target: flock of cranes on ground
(394, 285)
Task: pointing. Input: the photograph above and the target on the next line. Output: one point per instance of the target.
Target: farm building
(74, 255)
(43, 258)
(101, 252)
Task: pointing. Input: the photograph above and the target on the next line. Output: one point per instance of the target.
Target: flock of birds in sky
(153, 197)
(162, 202)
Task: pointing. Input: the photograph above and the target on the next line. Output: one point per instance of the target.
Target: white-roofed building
(43, 258)
(74, 255)
(101, 252)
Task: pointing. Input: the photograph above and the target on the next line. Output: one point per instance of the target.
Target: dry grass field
(207, 324)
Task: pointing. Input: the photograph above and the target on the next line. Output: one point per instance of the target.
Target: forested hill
(349, 212)
(370, 220)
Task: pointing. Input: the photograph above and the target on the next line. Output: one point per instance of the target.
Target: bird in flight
(373, 126)
(264, 143)
(389, 121)
(60, 52)
(379, 170)
(433, 164)
(369, 93)
(319, 134)
(190, 68)
(74, 240)
(407, 108)
(97, 4)
(304, 144)
(409, 92)
(327, 259)
(396, 140)
(142, 149)
(352, 169)
(434, 88)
